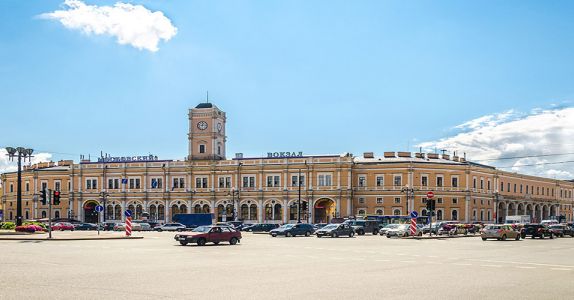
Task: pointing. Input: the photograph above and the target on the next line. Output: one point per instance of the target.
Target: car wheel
(159, 230)
(61, 229)
(288, 234)
(484, 239)
(308, 233)
(420, 234)
(233, 241)
(318, 236)
(361, 232)
(334, 234)
(504, 237)
(542, 236)
(375, 232)
(388, 236)
(381, 234)
(201, 242)
(183, 243)
(351, 234)
(216, 243)
(551, 236)
(523, 236)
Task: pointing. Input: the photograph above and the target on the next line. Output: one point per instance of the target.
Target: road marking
(520, 263)
(491, 266)
(525, 267)
(561, 269)
(383, 260)
(462, 264)
(407, 261)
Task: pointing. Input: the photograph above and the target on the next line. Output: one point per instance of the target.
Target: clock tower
(206, 132)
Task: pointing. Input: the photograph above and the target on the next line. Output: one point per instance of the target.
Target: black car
(362, 226)
(293, 230)
(261, 227)
(561, 230)
(85, 226)
(336, 230)
(536, 230)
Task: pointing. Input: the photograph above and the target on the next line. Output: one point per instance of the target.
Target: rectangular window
(249, 181)
(397, 181)
(88, 184)
(132, 183)
(380, 181)
(439, 200)
(508, 187)
(201, 148)
(362, 181)
(361, 200)
(481, 183)
(397, 200)
(27, 186)
(439, 181)
(502, 186)
(521, 188)
(324, 180)
(474, 183)
(44, 186)
(204, 182)
(156, 183)
(175, 183)
(221, 182)
(424, 181)
(488, 184)
(379, 200)
(454, 181)
(515, 187)
(454, 200)
(294, 180)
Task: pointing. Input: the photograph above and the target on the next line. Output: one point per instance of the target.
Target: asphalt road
(262, 267)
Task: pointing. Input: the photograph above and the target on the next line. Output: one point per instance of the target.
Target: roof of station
(205, 105)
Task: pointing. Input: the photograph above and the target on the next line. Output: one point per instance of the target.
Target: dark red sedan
(209, 234)
(63, 226)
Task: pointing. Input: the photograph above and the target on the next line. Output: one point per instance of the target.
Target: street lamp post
(19, 152)
(103, 196)
(408, 192)
(233, 193)
(496, 207)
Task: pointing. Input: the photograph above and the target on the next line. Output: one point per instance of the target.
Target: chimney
(419, 155)
(432, 155)
(368, 155)
(445, 156)
(404, 154)
(389, 154)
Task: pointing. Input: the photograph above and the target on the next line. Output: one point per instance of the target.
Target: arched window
(139, 211)
(27, 215)
(424, 212)
(43, 214)
(244, 212)
(197, 209)
(488, 214)
(174, 210)
(183, 209)
(474, 214)
(361, 212)
(379, 212)
(206, 209)
(161, 212)
(253, 212)
(439, 215)
(454, 215)
(268, 212)
(57, 214)
(117, 212)
(277, 212)
(293, 211)
(153, 212)
(110, 212)
(482, 215)
(397, 212)
(220, 212)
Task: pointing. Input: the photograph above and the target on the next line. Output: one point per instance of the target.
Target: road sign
(128, 213)
(430, 195)
(414, 214)
(128, 225)
(99, 208)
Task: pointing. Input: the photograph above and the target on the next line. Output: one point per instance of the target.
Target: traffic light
(433, 204)
(56, 197)
(43, 197)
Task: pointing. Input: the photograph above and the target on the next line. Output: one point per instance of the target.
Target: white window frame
(457, 181)
(362, 180)
(382, 200)
(426, 176)
(382, 181)
(394, 180)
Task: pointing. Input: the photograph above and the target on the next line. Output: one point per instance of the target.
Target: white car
(170, 227)
(383, 231)
(403, 230)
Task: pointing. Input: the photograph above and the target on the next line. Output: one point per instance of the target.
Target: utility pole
(19, 152)
(299, 200)
(49, 198)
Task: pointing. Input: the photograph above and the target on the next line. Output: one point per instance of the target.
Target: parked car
(499, 232)
(561, 230)
(403, 230)
(336, 230)
(144, 225)
(383, 231)
(362, 226)
(108, 226)
(293, 230)
(122, 227)
(63, 226)
(320, 225)
(536, 230)
(86, 226)
(209, 234)
(260, 227)
(170, 227)
(436, 226)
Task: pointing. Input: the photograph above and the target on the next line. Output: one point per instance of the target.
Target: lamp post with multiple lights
(25, 153)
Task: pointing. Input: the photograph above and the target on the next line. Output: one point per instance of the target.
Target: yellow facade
(265, 189)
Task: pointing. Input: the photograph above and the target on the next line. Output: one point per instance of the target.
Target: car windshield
(491, 227)
(202, 229)
(391, 226)
(404, 226)
(331, 226)
(287, 226)
(556, 227)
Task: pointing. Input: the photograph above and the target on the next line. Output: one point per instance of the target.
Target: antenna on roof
(443, 151)
(207, 96)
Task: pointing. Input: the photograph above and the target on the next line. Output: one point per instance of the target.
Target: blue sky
(312, 76)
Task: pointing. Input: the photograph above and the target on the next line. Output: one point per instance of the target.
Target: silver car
(383, 231)
(404, 230)
(170, 227)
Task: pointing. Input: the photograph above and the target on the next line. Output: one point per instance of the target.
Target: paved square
(262, 267)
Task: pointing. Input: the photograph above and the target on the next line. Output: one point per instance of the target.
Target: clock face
(202, 125)
(219, 127)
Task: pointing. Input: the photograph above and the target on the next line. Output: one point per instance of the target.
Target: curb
(71, 239)
(444, 237)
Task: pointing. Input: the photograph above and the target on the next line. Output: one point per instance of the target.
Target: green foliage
(8, 225)
(43, 225)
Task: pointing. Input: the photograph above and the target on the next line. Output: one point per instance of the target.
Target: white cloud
(512, 134)
(12, 166)
(130, 24)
